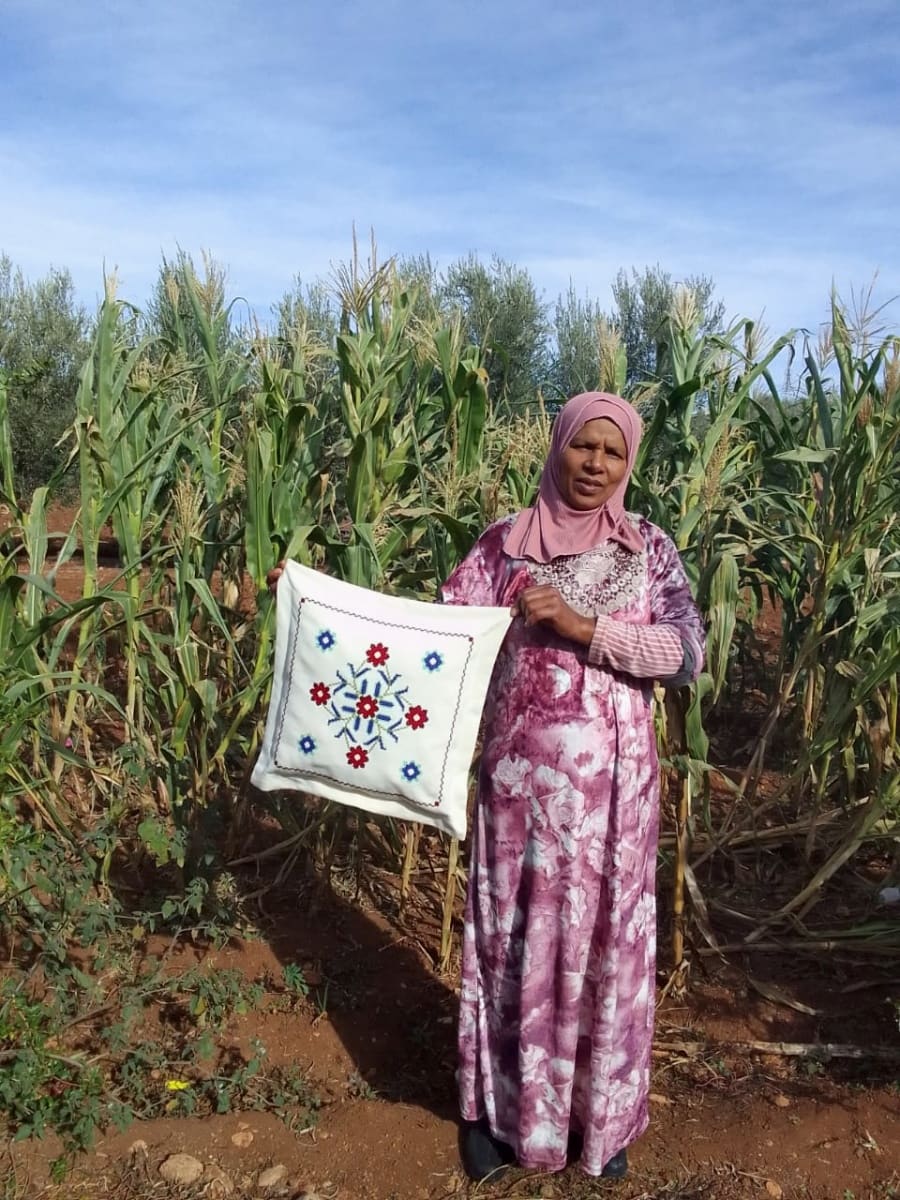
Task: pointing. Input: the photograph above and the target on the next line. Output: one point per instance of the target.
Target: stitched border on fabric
(348, 612)
(462, 684)
(286, 690)
(292, 659)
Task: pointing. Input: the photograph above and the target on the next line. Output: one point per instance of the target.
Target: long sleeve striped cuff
(643, 651)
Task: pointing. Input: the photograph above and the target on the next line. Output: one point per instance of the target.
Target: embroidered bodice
(602, 580)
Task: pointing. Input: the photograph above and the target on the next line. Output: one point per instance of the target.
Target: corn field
(378, 456)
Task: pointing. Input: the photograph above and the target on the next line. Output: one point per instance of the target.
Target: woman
(557, 997)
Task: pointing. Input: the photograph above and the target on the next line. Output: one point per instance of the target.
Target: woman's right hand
(274, 575)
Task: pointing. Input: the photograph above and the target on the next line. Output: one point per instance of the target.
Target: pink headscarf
(552, 528)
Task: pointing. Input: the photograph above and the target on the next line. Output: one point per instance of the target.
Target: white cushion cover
(376, 700)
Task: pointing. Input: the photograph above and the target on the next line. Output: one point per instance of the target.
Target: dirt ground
(375, 1040)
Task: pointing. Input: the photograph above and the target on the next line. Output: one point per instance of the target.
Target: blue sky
(755, 142)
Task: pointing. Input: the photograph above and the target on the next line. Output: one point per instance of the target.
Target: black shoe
(617, 1167)
(482, 1154)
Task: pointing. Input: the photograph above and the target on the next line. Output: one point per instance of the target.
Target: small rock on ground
(181, 1169)
(272, 1176)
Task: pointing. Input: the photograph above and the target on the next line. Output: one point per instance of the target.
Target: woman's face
(593, 464)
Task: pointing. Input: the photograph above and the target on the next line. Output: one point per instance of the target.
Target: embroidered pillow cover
(376, 700)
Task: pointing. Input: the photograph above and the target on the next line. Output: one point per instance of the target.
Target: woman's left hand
(544, 605)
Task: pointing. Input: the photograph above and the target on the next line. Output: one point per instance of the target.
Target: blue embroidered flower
(433, 661)
(325, 640)
(306, 744)
(410, 771)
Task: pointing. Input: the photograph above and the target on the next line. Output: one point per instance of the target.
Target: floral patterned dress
(557, 998)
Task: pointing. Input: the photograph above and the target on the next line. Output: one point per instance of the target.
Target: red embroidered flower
(417, 717)
(357, 757)
(320, 693)
(378, 654)
(367, 706)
